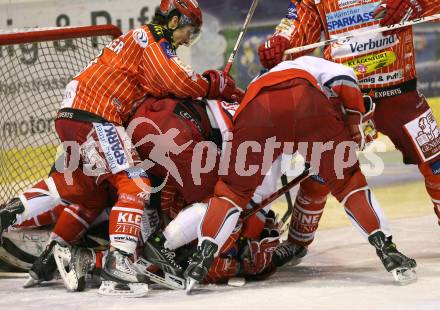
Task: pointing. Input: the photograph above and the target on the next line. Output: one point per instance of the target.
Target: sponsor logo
(64, 114)
(435, 167)
(356, 46)
(136, 172)
(140, 37)
(373, 44)
(351, 17)
(168, 49)
(383, 78)
(111, 146)
(292, 12)
(346, 3)
(371, 63)
(425, 134)
(131, 218)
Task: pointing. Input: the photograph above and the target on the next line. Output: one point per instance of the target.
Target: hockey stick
(289, 210)
(350, 36)
(240, 36)
(282, 191)
(13, 274)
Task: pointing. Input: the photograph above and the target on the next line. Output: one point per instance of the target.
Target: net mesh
(33, 76)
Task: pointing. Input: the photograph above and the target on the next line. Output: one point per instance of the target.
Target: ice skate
(288, 252)
(401, 267)
(44, 267)
(155, 256)
(8, 214)
(73, 265)
(119, 268)
(200, 263)
(131, 290)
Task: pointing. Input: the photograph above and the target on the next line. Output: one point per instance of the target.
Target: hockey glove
(222, 269)
(361, 125)
(221, 85)
(271, 51)
(392, 12)
(258, 257)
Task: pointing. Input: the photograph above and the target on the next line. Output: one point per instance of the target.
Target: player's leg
(32, 205)
(106, 153)
(363, 209)
(415, 132)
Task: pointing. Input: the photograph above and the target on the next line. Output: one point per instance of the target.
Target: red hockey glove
(361, 125)
(222, 269)
(271, 51)
(259, 257)
(221, 85)
(392, 12)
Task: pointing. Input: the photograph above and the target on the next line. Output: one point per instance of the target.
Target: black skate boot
(73, 265)
(120, 268)
(43, 268)
(200, 263)
(159, 265)
(286, 252)
(9, 212)
(401, 266)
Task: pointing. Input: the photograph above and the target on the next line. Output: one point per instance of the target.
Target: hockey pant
(52, 201)
(105, 153)
(415, 132)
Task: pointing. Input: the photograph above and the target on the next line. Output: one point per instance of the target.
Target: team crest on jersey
(140, 37)
(425, 134)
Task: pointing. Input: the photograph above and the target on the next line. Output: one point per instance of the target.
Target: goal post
(35, 66)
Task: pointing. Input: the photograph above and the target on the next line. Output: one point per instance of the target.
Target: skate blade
(130, 290)
(237, 282)
(169, 281)
(404, 276)
(31, 282)
(62, 257)
(190, 283)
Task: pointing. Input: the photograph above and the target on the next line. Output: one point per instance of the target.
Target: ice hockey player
(197, 123)
(69, 209)
(99, 100)
(290, 104)
(385, 67)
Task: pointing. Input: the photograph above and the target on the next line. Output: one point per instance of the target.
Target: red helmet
(189, 9)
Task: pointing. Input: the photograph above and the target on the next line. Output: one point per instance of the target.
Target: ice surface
(341, 272)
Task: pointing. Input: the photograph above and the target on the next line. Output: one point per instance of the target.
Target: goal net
(35, 66)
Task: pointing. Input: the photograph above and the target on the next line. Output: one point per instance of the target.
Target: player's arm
(392, 12)
(161, 62)
(432, 7)
(301, 26)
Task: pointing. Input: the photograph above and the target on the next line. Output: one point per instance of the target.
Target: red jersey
(380, 62)
(139, 63)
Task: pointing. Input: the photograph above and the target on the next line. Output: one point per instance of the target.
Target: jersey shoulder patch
(168, 49)
(140, 36)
